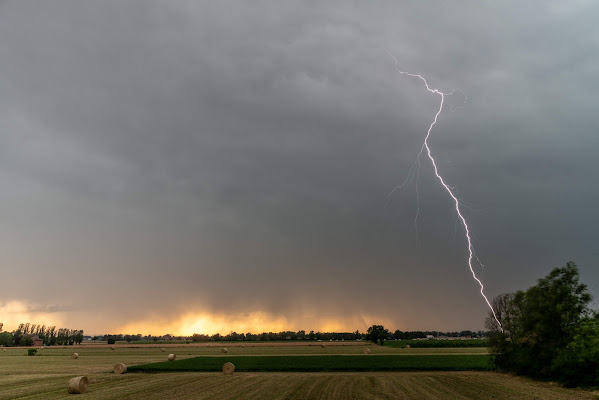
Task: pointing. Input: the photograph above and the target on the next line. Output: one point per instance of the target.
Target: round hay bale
(171, 357)
(366, 351)
(162, 349)
(228, 368)
(322, 345)
(224, 350)
(78, 385)
(3, 349)
(74, 356)
(120, 368)
(243, 346)
(407, 346)
(111, 347)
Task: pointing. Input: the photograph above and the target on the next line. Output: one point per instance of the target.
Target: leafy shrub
(548, 331)
(31, 352)
(6, 339)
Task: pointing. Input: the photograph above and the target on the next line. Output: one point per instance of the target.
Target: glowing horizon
(188, 323)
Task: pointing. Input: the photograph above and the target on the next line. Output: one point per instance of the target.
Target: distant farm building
(36, 340)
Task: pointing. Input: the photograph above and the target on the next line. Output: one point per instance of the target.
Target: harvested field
(438, 343)
(397, 385)
(45, 376)
(326, 363)
(94, 359)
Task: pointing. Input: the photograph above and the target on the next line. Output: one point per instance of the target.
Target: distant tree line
(278, 336)
(380, 333)
(50, 335)
(436, 334)
(111, 339)
(292, 335)
(548, 330)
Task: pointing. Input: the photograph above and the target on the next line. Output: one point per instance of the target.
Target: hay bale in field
(171, 357)
(162, 349)
(3, 349)
(366, 351)
(322, 345)
(78, 385)
(120, 368)
(243, 346)
(74, 356)
(407, 346)
(111, 347)
(228, 368)
(224, 350)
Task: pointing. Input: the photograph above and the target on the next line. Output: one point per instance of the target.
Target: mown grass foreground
(328, 363)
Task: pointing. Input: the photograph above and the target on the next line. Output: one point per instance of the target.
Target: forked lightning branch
(456, 202)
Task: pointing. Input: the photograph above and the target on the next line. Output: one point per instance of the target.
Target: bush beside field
(325, 363)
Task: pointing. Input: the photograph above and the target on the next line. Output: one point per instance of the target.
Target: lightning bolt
(471, 253)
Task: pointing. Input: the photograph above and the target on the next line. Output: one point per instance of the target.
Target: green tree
(578, 363)
(26, 341)
(17, 336)
(377, 334)
(78, 337)
(196, 337)
(547, 329)
(6, 339)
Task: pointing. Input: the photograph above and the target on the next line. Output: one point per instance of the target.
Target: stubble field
(45, 375)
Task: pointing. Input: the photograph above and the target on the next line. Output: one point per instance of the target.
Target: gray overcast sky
(180, 166)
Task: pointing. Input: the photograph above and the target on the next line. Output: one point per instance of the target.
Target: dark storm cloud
(173, 152)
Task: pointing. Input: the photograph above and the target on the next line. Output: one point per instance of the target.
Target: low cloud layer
(230, 162)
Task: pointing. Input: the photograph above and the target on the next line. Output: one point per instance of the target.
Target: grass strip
(328, 363)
